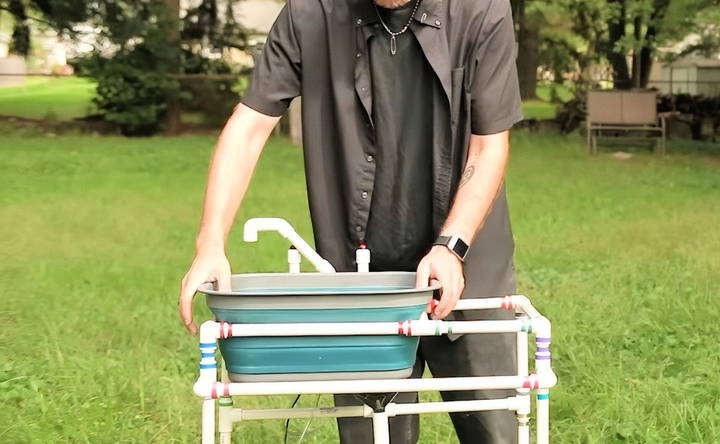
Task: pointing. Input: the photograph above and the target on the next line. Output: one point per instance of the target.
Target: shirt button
(364, 194)
(359, 22)
(358, 55)
(438, 23)
(358, 228)
(369, 158)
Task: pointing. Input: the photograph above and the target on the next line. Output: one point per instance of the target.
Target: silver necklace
(393, 35)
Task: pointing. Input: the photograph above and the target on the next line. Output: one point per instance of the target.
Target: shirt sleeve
(495, 103)
(275, 80)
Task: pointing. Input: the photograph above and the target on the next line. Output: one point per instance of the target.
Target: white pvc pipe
(225, 407)
(523, 419)
(380, 385)
(392, 409)
(524, 434)
(253, 226)
(225, 422)
(518, 302)
(293, 260)
(209, 332)
(543, 417)
(355, 411)
(522, 353)
(362, 259)
(208, 421)
(511, 403)
(543, 364)
(523, 303)
(478, 304)
(407, 328)
(381, 428)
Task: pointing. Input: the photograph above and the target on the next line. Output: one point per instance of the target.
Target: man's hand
(208, 266)
(441, 264)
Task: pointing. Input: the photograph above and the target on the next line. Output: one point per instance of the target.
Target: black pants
(468, 355)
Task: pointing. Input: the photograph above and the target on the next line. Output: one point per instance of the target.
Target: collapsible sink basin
(319, 297)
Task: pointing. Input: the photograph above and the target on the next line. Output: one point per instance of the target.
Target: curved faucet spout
(255, 225)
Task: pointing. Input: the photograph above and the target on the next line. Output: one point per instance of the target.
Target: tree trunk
(527, 61)
(647, 63)
(616, 31)
(527, 57)
(646, 53)
(172, 117)
(637, 62)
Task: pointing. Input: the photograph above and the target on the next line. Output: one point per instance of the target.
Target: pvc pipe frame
(528, 320)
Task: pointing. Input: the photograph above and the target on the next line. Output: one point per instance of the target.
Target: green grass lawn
(543, 107)
(538, 109)
(66, 98)
(97, 232)
(54, 98)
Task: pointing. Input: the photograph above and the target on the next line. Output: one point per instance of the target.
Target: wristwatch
(454, 244)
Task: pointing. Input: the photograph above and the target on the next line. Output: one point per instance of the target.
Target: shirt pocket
(457, 77)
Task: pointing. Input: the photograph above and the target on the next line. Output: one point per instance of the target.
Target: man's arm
(232, 165)
(478, 188)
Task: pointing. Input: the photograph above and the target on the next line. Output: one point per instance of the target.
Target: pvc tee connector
(362, 258)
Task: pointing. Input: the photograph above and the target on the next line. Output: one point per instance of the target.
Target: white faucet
(253, 226)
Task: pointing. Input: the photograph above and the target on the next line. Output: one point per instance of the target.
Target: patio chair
(624, 113)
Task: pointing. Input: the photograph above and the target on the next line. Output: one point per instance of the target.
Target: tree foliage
(60, 15)
(141, 48)
(577, 35)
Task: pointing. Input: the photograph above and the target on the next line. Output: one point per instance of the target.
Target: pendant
(393, 45)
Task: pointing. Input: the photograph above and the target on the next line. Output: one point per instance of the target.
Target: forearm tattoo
(467, 175)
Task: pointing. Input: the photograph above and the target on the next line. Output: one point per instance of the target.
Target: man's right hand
(208, 266)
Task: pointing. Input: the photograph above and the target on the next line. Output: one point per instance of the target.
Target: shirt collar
(428, 13)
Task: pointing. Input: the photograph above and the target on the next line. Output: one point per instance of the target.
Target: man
(406, 110)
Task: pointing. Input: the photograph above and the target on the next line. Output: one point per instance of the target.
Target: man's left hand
(441, 264)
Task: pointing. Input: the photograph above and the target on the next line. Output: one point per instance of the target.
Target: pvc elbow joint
(542, 327)
(209, 332)
(548, 378)
(203, 386)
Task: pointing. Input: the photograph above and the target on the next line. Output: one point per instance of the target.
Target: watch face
(460, 248)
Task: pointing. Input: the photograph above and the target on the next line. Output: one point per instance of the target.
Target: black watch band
(455, 244)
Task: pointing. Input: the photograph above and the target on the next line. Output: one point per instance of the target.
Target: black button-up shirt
(318, 49)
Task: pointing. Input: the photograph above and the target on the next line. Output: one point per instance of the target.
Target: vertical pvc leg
(523, 418)
(522, 350)
(523, 429)
(523, 414)
(208, 421)
(543, 416)
(381, 428)
(543, 358)
(225, 405)
(224, 421)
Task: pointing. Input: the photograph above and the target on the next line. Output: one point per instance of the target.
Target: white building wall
(709, 81)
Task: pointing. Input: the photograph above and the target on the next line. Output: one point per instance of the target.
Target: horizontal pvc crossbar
(383, 385)
(406, 328)
(355, 411)
(478, 405)
(511, 403)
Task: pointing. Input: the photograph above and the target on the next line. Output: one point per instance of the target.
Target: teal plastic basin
(316, 297)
